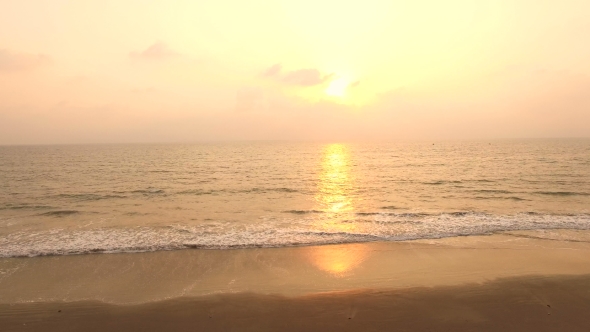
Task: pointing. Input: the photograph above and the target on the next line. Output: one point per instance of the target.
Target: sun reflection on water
(335, 183)
(335, 198)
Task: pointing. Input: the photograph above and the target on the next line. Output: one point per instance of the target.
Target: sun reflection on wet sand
(335, 199)
(337, 260)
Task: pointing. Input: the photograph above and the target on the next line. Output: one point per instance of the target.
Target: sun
(337, 87)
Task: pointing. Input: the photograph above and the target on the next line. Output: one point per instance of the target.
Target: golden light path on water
(335, 200)
(335, 182)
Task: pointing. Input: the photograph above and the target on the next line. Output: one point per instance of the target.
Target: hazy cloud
(158, 50)
(273, 70)
(21, 61)
(306, 77)
(300, 77)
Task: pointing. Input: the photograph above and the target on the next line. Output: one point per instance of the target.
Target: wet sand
(514, 304)
(483, 283)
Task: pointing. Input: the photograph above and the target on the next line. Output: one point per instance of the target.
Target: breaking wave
(312, 229)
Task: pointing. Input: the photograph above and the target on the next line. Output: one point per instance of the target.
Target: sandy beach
(509, 282)
(513, 304)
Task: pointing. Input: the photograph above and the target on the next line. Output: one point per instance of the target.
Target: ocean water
(57, 200)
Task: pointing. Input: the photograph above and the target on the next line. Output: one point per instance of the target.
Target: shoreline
(486, 283)
(133, 278)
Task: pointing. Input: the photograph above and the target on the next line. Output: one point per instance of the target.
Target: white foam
(314, 230)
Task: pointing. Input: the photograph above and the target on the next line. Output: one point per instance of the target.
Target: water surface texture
(123, 198)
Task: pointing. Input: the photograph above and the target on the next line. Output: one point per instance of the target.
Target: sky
(86, 71)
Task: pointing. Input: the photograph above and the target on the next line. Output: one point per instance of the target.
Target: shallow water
(113, 198)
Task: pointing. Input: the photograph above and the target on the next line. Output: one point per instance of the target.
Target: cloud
(273, 70)
(11, 62)
(354, 84)
(157, 51)
(301, 77)
(306, 77)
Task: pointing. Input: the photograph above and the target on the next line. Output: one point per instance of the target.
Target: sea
(87, 199)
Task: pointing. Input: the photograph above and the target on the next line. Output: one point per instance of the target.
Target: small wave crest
(562, 193)
(302, 211)
(198, 192)
(440, 182)
(89, 197)
(493, 191)
(148, 191)
(59, 213)
(25, 207)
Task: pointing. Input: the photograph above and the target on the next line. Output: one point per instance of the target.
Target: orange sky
(85, 71)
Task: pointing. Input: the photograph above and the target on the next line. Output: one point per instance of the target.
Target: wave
(284, 190)
(89, 197)
(516, 198)
(513, 198)
(148, 191)
(199, 192)
(303, 211)
(493, 191)
(436, 183)
(313, 229)
(25, 207)
(400, 214)
(562, 193)
(59, 213)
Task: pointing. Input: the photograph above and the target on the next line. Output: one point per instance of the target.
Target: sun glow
(337, 260)
(337, 87)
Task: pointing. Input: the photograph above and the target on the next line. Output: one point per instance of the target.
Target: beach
(509, 282)
(294, 165)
